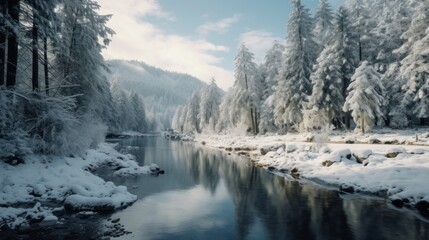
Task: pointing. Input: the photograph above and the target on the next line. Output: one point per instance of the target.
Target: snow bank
(45, 179)
(16, 217)
(118, 198)
(360, 167)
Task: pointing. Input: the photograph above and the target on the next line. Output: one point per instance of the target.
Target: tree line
(364, 65)
(54, 94)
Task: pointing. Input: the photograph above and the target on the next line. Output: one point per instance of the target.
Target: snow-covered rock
(393, 152)
(362, 154)
(291, 148)
(268, 148)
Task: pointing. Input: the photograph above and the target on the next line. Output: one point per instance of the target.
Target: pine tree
(270, 71)
(247, 88)
(271, 68)
(395, 113)
(209, 106)
(323, 23)
(334, 69)
(294, 80)
(415, 66)
(327, 81)
(227, 118)
(395, 20)
(241, 103)
(79, 56)
(363, 25)
(45, 24)
(365, 97)
(192, 122)
(139, 110)
(177, 119)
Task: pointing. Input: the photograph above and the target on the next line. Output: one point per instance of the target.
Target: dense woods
(54, 96)
(364, 65)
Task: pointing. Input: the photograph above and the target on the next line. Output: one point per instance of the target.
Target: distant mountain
(161, 90)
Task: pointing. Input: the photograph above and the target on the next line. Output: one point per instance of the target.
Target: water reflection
(206, 194)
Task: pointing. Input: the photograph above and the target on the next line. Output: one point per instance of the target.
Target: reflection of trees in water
(369, 217)
(202, 165)
(291, 210)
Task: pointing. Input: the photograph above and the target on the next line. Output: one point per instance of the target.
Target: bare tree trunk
(45, 58)
(12, 45)
(360, 50)
(422, 121)
(257, 122)
(35, 35)
(362, 121)
(2, 43)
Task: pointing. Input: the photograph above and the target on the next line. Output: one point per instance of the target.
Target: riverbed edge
(255, 152)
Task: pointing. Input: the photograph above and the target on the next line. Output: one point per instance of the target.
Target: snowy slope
(162, 90)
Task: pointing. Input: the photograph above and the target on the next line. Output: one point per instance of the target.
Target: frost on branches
(365, 97)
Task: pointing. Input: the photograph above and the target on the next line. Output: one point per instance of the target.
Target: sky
(198, 37)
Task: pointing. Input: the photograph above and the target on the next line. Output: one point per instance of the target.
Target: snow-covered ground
(397, 169)
(28, 191)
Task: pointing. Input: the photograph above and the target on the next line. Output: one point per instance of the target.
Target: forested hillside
(162, 91)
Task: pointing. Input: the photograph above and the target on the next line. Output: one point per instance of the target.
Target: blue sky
(199, 37)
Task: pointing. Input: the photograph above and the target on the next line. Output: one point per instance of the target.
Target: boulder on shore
(393, 152)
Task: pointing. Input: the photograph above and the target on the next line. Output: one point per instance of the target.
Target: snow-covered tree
(395, 113)
(415, 66)
(129, 112)
(192, 122)
(334, 69)
(363, 25)
(227, 118)
(294, 80)
(365, 97)
(140, 113)
(323, 23)
(395, 20)
(177, 123)
(209, 106)
(245, 95)
(266, 122)
(270, 70)
(79, 56)
(249, 86)
(327, 83)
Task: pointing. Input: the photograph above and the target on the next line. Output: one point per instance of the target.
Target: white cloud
(258, 42)
(142, 40)
(220, 26)
(136, 8)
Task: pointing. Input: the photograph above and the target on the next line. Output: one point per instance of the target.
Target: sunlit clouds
(139, 39)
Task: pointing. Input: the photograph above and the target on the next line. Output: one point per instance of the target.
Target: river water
(207, 194)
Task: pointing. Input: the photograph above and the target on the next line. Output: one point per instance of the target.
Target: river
(207, 194)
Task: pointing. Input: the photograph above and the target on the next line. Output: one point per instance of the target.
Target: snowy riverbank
(29, 191)
(398, 172)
